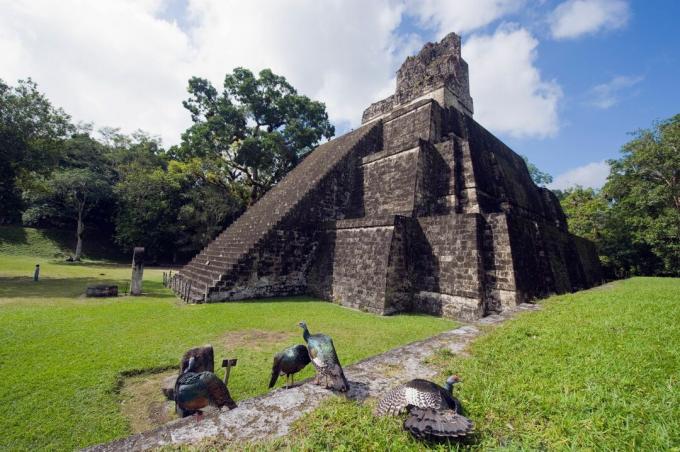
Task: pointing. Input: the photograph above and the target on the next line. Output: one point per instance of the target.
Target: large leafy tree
(30, 133)
(69, 194)
(644, 189)
(252, 132)
(78, 189)
(148, 209)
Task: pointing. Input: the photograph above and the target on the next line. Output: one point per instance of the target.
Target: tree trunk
(79, 234)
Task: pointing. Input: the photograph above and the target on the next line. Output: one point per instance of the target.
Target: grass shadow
(24, 286)
(13, 235)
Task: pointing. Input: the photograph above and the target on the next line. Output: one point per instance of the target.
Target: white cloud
(461, 16)
(113, 63)
(575, 18)
(120, 64)
(343, 53)
(606, 95)
(509, 93)
(592, 175)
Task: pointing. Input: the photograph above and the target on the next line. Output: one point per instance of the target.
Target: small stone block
(101, 290)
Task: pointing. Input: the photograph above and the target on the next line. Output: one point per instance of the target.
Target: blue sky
(561, 81)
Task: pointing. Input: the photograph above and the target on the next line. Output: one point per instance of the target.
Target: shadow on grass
(25, 287)
(13, 235)
(90, 264)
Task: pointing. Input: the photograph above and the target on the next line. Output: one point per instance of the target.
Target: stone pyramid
(420, 209)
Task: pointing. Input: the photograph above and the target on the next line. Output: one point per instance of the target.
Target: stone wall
(447, 266)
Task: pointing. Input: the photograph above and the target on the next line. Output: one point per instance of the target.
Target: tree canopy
(253, 132)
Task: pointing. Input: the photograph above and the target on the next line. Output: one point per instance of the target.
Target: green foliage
(594, 370)
(252, 133)
(644, 189)
(74, 351)
(30, 129)
(149, 204)
(635, 219)
(586, 210)
(539, 177)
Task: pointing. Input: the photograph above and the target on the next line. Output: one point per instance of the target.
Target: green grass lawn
(595, 370)
(63, 356)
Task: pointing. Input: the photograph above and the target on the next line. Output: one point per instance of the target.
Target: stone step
(217, 259)
(205, 270)
(194, 276)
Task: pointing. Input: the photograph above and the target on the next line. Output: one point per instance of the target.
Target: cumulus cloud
(461, 16)
(126, 64)
(509, 93)
(606, 95)
(113, 63)
(575, 18)
(343, 53)
(592, 175)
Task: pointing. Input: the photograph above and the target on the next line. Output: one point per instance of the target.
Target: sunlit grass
(595, 370)
(63, 356)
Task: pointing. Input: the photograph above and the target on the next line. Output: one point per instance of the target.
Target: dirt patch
(143, 404)
(255, 339)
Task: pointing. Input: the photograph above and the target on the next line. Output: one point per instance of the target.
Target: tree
(253, 132)
(586, 210)
(69, 193)
(30, 131)
(539, 177)
(644, 189)
(148, 209)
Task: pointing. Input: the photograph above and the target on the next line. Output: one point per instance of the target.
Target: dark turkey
(433, 412)
(288, 362)
(325, 360)
(196, 390)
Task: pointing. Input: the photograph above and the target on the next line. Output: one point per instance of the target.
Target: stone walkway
(271, 415)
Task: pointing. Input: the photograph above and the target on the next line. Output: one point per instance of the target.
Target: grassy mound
(53, 243)
(595, 370)
(65, 359)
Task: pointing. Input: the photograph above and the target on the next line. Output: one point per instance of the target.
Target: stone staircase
(207, 273)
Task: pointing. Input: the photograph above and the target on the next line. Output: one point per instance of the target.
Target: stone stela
(137, 271)
(420, 209)
(228, 364)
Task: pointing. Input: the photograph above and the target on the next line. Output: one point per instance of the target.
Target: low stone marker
(137, 271)
(102, 290)
(228, 364)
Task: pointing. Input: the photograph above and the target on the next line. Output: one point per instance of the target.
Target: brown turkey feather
(429, 423)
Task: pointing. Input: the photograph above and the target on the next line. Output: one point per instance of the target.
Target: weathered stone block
(102, 290)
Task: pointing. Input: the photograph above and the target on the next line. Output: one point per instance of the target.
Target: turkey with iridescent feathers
(325, 360)
(433, 412)
(197, 390)
(288, 362)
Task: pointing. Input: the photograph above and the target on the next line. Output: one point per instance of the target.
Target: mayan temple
(420, 209)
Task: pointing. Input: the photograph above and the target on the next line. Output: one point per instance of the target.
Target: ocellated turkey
(288, 362)
(196, 390)
(433, 412)
(325, 360)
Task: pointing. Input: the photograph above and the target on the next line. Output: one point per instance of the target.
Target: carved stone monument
(137, 271)
(420, 209)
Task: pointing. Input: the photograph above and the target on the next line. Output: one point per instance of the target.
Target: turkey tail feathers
(338, 380)
(276, 371)
(428, 423)
(218, 391)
